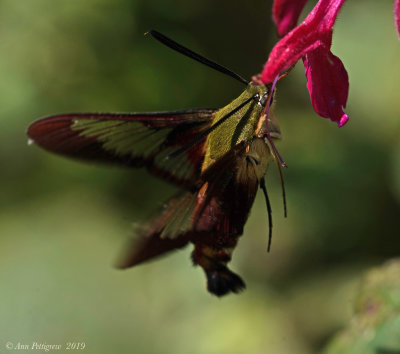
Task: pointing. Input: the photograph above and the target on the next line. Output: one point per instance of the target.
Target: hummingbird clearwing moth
(218, 158)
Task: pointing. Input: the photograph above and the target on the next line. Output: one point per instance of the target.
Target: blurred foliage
(375, 327)
(62, 223)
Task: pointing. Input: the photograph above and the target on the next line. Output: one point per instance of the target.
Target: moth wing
(190, 216)
(151, 243)
(129, 139)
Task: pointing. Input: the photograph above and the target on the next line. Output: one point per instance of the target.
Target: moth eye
(263, 99)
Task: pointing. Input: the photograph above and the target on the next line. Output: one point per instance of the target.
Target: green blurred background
(63, 223)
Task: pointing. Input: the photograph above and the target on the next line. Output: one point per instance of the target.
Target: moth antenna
(282, 187)
(269, 210)
(189, 53)
(203, 134)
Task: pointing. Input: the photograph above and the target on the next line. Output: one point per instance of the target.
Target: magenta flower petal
(328, 84)
(327, 79)
(314, 31)
(286, 13)
(397, 16)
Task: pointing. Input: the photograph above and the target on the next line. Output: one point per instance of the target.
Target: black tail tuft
(222, 281)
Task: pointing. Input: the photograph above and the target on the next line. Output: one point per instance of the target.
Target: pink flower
(285, 14)
(327, 79)
(397, 16)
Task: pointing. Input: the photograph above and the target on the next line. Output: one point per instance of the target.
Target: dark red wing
(147, 248)
(130, 139)
(152, 243)
(212, 214)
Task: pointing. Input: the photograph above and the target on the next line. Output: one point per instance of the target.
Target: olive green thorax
(239, 127)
